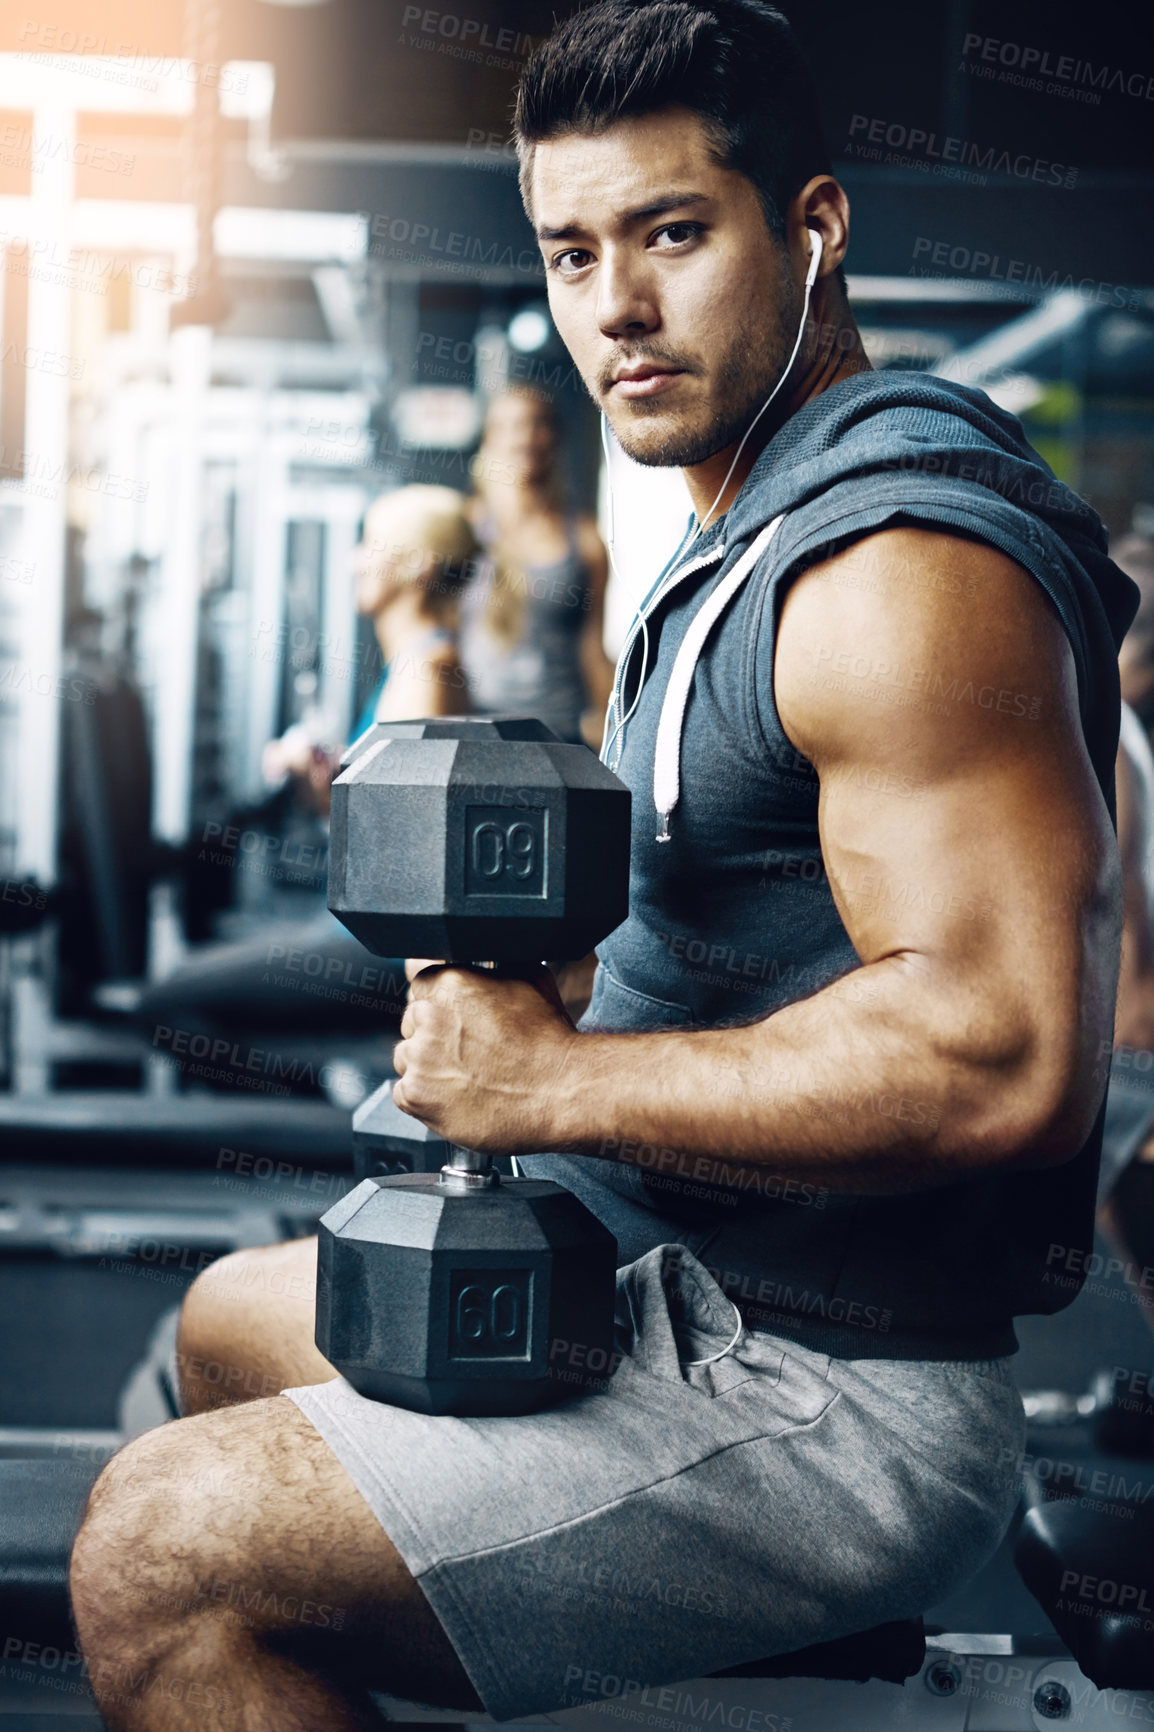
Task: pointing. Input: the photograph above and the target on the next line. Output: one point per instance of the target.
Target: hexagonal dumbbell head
(490, 1302)
(477, 838)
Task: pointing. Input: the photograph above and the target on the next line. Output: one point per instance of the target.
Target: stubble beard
(745, 378)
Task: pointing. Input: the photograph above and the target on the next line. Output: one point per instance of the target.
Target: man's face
(664, 282)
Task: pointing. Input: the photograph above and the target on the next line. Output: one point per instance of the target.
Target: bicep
(961, 821)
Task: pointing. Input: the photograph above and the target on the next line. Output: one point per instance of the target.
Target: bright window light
(529, 329)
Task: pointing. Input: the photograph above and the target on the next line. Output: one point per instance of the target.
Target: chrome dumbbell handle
(466, 1170)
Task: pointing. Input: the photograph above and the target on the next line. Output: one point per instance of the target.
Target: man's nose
(626, 304)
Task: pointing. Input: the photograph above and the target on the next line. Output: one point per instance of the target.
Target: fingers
(402, 1099)
(414, 965)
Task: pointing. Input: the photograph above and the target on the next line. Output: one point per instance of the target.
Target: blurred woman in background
(533, 616)
(416, 551)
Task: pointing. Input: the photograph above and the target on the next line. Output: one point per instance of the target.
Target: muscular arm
(985, 911)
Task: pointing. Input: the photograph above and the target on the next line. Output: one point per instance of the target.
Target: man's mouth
(644, 380)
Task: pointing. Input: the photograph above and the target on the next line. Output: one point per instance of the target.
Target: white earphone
(814, 257)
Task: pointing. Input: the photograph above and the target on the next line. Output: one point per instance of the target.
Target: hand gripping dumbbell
(482, 841)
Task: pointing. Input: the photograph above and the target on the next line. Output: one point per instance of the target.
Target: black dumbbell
(460, 1291)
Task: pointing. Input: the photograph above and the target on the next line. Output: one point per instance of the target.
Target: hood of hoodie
(892, 426)
(915, 425)
(880, 449)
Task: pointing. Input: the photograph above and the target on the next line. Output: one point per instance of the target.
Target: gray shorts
(680, 1518)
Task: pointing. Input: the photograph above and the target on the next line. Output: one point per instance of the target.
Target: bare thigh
(242, 1524)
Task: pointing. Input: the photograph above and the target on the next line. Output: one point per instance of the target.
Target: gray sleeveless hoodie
(732, 916)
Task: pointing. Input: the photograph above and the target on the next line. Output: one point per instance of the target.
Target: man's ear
(821, 205)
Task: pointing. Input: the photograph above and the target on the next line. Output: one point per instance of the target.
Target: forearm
(861, 1089)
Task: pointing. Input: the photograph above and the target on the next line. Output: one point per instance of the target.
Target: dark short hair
(735, 63)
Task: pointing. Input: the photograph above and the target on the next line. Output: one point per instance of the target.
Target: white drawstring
(667, 756)
(641, 623)
(638, 621)
(728, 1348)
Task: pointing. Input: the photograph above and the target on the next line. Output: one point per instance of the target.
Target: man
(836, 1090)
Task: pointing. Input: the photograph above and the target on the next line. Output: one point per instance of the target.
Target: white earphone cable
(809, 282)
(607, 739)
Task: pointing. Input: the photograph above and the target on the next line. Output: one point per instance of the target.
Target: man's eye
(679, 233)
(562, 269)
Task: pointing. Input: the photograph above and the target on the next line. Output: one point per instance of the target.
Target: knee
(135, 1537)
